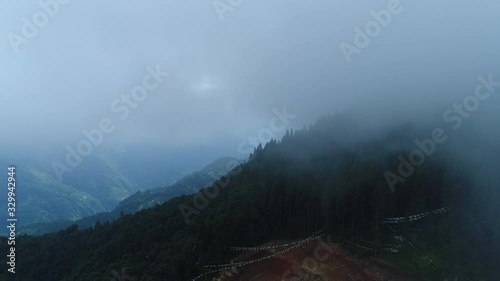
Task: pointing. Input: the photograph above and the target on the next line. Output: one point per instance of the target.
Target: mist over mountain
(326, 177)
(97, 185)
(227, 76)
(367, 128)
(140, 200)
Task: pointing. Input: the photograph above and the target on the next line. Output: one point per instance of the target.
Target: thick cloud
(226, 76)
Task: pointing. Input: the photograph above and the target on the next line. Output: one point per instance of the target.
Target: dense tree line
(328, 176)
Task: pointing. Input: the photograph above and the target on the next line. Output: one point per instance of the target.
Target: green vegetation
(142, 199)
(324, 177)
(44, 198)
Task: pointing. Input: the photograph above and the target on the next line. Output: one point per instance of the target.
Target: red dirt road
(312, 261)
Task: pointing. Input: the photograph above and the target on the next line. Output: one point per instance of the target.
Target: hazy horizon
(196, 81)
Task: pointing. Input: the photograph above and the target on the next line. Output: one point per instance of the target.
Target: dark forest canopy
(326, 177)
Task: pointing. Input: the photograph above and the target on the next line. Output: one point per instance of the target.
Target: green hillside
(43, 198)
(328, 177)
(142, 199)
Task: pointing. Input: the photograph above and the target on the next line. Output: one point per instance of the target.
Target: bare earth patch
(341, 265)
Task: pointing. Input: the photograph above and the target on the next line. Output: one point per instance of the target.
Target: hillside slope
(328, 177)
(188, 184)
(97, 185)
(315, 260)
(43, 198)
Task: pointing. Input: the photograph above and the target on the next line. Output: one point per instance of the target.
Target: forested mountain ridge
(97, 184)
(327, 177)
(188, 184)
(44, 198)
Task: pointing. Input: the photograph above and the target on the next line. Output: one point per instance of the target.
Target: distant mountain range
(140, 200)
(328, 179)
(98, 184)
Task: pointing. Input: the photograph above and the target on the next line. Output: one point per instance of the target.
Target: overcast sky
(226, 76)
